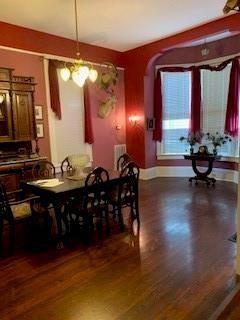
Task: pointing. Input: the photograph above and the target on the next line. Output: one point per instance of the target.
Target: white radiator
(119, 149)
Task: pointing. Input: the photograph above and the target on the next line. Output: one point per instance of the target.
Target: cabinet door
(23, 116)
(6, 133)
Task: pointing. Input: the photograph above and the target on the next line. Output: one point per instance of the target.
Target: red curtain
(157, 133)
(54, 88)
(195, 114)
(231, 125)
(87, 112)
(231, 122)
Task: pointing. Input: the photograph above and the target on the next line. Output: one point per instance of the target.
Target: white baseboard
(217, 173)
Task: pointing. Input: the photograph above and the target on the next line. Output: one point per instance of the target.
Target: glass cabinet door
(6, 133)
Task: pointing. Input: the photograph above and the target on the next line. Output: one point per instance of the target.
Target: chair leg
(11, 237)
(114, 209)
(65, 220)
(48, 222)
(58, 216)
(88, 223)
(120, 217)
(137, 211)
(99, 224)
(107, 222)
(132, 212)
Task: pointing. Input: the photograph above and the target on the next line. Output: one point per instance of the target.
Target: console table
(202, 176)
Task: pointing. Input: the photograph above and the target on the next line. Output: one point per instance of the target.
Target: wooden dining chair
(93, 203)
(43, 169)
(22, 210)
(66, 166)
(127, 193)
(122, 161)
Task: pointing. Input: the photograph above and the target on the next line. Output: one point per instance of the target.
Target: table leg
(202, 176)
(58, 216)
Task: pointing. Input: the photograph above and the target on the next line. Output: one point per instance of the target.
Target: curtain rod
(52, 56)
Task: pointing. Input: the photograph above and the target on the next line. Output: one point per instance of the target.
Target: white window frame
(85, 147)
(160, 153)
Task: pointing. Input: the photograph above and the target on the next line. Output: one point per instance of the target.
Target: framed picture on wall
(39, 112)
(150, 124)
(40, 130)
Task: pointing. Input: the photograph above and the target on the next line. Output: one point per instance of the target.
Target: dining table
(59, 195)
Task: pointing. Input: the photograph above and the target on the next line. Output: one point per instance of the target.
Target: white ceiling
(119, 25)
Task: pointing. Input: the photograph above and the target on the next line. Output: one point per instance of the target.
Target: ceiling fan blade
(231, 5)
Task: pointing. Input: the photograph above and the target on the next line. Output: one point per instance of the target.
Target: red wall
(104, 130)
(30, 65)
(139, 64)
(31, 40)
(105, 134)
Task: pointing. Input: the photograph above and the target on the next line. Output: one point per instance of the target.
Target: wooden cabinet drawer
(22, 87)
(5, 74)
(5, 85)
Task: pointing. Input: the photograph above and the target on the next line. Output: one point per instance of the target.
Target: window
(176, 95)
(214, 104)
(176, 111)
(67, 135)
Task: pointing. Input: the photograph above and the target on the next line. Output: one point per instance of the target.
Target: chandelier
(80, 70)
(231, 5)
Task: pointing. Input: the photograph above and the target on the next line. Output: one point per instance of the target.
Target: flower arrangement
(218, 140)
(192, 139)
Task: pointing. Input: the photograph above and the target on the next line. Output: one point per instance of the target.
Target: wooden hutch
(17, 127)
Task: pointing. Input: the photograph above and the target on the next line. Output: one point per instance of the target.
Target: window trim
(189, 96)
(161, 155)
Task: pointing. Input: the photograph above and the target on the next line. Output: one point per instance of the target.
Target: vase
(215, 151)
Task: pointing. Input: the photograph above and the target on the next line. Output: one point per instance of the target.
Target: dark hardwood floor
(230, 308)
(181, 266)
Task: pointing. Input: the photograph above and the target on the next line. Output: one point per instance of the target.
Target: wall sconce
(118, 127)
(134, 120)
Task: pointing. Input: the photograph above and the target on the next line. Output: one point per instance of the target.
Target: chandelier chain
(76, 26)
(80, 70)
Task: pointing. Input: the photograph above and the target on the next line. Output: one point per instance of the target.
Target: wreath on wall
(107, 81)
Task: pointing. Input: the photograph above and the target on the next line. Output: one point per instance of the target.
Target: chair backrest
(66, 166)
(96, 191)
(5, 209)
(97, 176)
(43, 169)
(131, 169)
(128, 188)
(123, 160)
